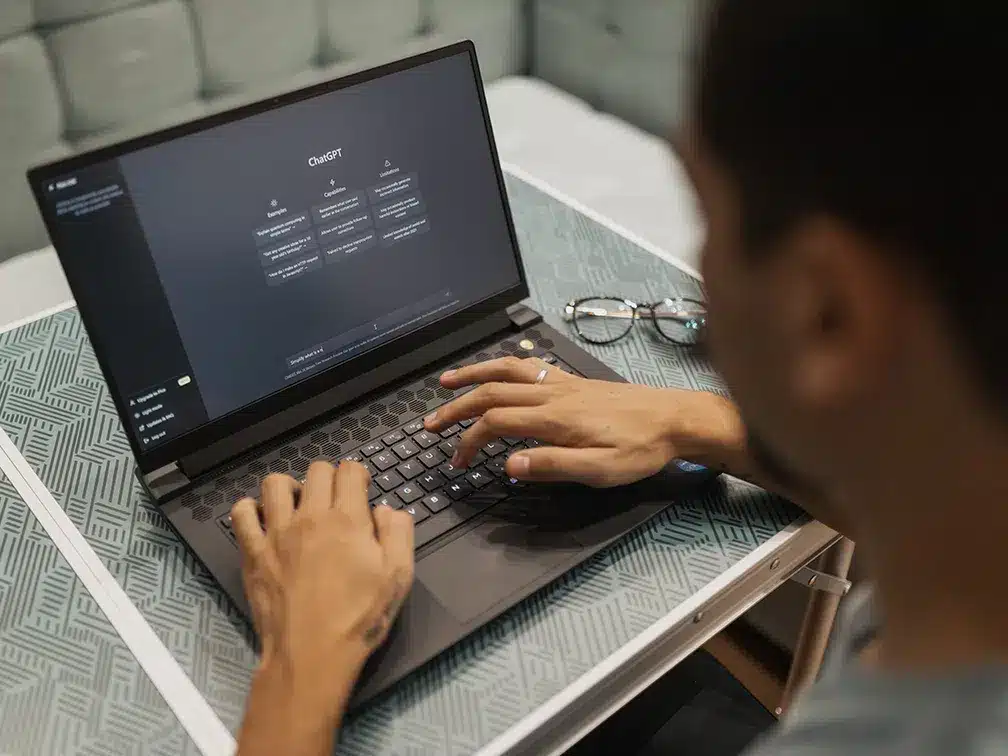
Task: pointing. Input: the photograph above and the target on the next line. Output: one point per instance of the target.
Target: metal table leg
(828, 581)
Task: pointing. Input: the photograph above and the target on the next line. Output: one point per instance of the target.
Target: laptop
(285, 282)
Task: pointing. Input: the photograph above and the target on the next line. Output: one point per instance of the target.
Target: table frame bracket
(822, 581)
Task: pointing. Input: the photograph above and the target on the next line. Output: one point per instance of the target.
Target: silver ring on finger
(542, 376)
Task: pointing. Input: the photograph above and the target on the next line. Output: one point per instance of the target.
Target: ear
(844, 311)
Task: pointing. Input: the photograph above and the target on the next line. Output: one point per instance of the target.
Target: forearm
(295, 717)
(715, 437)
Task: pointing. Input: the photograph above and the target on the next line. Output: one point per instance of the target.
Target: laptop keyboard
(410, 469)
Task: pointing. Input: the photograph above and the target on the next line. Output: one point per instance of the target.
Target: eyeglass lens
(680, 320)
(603, 320)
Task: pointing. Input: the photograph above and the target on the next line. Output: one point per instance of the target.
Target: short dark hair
(886, 115)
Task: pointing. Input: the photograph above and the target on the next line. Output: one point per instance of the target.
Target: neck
(936, 541)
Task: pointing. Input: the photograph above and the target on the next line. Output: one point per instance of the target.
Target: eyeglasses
(603, 320)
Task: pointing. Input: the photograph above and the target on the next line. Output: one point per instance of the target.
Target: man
(850, 157)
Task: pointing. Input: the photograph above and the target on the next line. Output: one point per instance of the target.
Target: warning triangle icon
(387, 164)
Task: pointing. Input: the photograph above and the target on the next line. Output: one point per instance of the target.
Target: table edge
(532, 733)
(190, 707)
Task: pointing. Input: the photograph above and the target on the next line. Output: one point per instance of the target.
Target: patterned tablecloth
(69, 685)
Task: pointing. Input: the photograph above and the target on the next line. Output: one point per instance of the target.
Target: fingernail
(519, 465)
(447, 374)
(430, 418)
(456, 460)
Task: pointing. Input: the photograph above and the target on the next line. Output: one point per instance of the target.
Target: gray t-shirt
(856, 711)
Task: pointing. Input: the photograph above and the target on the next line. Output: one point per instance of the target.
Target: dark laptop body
(284, 282)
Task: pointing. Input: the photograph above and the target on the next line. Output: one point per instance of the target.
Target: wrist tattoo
(374, 633)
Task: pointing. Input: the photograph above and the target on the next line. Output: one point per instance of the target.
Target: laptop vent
(338, 438)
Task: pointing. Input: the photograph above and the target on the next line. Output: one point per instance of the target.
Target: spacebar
(456, 514)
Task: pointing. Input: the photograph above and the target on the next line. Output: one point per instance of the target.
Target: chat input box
(282, 274)
(289, 250)
(351, 247)
(282, 229)
(344, 203)
(404, 231)
(392, 188)
(395, 210)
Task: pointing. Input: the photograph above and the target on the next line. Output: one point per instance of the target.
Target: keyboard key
(511, 441)
(415, 427)
(436, 502)
(549, 359)
(452, 517)
(409, 493)
(496, 466)
(389, 500)
(478, 458)
(410, 469)
(432, 480)
(531, 443)
(431, 458)
(389, 480)
(370, 468)
(450, 471)
(493, 448)
(419, 513)
(371, 449)
(393, 438)
(478, 478)
(405, 449)
(352, 458)
(451, 431)
(384, 461)
(459, 489)
(467, 423)
(372, 492)
(426, 439)
(448, 447)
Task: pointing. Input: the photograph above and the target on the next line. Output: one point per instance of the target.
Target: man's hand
(598, 432)
(324, 576)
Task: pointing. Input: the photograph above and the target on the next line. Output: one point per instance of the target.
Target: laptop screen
(222, 266)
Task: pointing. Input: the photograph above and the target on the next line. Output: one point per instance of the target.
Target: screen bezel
(243, 417)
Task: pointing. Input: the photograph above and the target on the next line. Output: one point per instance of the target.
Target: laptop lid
(229, 268)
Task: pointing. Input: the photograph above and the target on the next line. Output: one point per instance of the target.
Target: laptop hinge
(163, 481)
(523, 317)
(329, 402)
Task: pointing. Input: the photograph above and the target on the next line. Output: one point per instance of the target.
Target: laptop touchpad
(489, 563)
